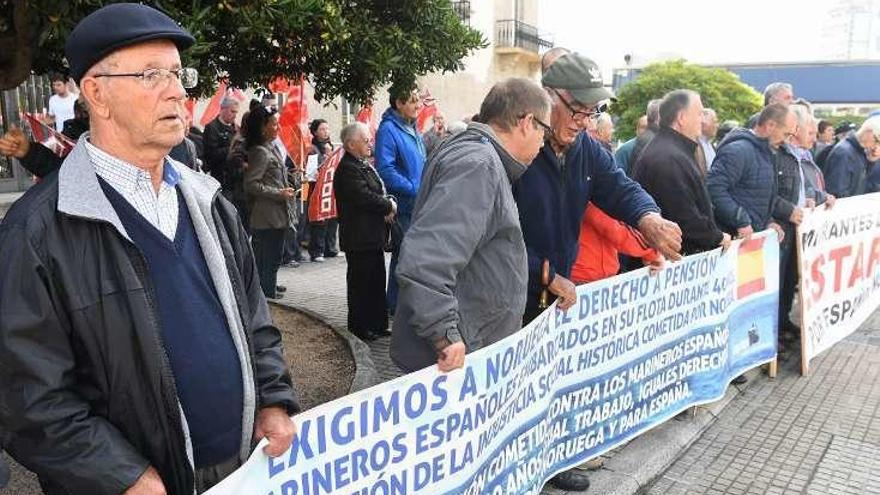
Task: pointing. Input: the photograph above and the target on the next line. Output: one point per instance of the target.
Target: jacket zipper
(139, 263)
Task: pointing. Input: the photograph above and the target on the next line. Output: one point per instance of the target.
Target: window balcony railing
(512, 33)
(462, 9)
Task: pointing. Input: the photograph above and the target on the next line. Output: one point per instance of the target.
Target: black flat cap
(117, 26)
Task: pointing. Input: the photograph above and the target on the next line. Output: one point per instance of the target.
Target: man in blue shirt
(400, 157)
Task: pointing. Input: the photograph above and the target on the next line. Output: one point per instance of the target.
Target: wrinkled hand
(662, 235)
(829, 201)
(275, 425)
(288, 192)
(148, 484)
(811, 203)
(781, 233)
(565, 290)
(797, 216)
(14, 143)
(725, 242)
(655, 266)
(451, 357)
(745, 232)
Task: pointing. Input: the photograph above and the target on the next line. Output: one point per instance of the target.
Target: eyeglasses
(543, 125)
(580, 114)
(152, 78)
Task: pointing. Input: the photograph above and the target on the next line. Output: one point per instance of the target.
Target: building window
(462, 9)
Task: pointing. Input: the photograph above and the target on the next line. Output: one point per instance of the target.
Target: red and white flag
(48, 136)
(365, 115)
(428, 111)
(293, 118)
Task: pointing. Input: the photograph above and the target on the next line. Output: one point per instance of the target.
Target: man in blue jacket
(742, 180)
(400, 157)
(849, 168)
(571, 170)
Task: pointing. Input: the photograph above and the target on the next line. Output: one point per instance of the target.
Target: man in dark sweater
(669, 172)
(109, 384)
(216, 141)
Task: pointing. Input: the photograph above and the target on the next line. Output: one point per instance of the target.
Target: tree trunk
(17, 46)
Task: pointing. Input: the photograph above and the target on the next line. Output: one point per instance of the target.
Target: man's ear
(97, 97)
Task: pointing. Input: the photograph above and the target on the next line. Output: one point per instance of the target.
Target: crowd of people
(487, 224)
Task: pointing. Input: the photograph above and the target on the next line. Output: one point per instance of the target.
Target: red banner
(292, 120)
(322, 205)
(48, 136)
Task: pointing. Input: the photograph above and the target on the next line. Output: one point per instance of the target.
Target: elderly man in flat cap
(137, 354)
(571, 170)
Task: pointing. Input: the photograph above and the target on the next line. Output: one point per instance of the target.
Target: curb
(365, 374)
(638, 464)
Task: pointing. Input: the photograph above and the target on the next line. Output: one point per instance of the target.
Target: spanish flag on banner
(750, 278)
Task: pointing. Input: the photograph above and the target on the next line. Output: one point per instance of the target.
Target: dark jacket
(552, 197)
(361, 205)
(264, 179)
(462, 270)
(400, 157)
(788, 183)
(670, 174)
(742, 182)
(94, 401)
(848, 171)
(217, 139)
(642, 142)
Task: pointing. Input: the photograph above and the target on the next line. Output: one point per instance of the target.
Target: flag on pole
(322, 205)
(47, 136)
(428, 111)
(365, 115)
(750, 278)
(292, 119)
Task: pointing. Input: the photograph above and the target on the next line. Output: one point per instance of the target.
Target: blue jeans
(391, 295)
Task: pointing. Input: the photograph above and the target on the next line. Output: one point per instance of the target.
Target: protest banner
(633, 352)
(322, 205)
(839, 254)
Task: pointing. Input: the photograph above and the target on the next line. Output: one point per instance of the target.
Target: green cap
(580, 76)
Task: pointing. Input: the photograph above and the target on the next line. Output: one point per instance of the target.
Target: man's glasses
(580, 114)
(152, 78)
(543, 125)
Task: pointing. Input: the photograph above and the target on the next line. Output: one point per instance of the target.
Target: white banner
(840, 271)
(633, 352)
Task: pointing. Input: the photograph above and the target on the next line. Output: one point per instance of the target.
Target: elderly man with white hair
(850, 169)
(364, 209)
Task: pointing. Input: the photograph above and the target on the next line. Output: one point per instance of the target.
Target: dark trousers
(322, 238)
(207, 477)
(302, 227)
(291, 247)
(365, 279)
(788, 277)
(268, 244)
(403, 222)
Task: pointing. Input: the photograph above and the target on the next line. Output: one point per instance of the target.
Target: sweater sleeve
(614, 192)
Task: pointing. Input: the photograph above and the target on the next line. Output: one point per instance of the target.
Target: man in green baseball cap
(570, 171)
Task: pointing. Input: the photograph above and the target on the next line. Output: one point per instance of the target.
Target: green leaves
(346, 48)
(719, 89)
